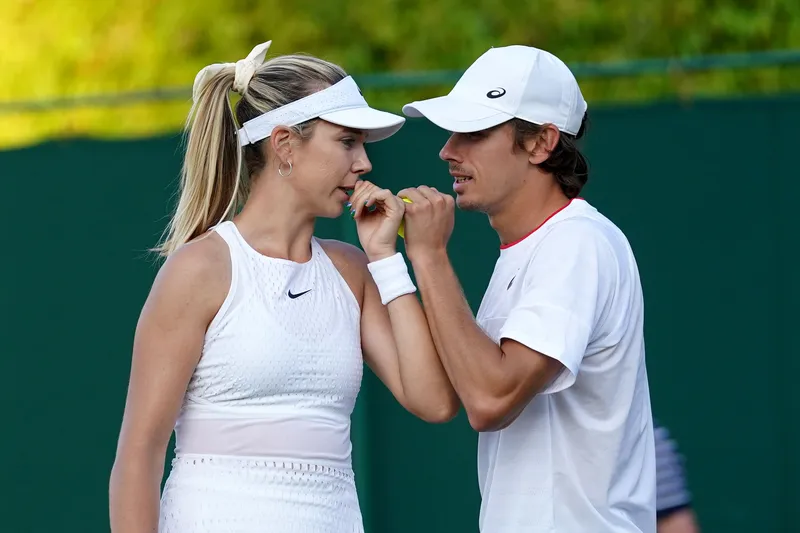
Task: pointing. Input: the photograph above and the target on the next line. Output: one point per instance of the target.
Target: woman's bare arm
(187, 292)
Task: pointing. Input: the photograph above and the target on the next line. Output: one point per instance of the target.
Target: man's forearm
(470, 358)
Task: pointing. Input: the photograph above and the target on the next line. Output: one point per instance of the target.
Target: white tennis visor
(341, 104)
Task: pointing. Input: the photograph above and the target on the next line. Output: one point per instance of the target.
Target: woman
(250, 343)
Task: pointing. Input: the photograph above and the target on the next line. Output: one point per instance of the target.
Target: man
(552, 374)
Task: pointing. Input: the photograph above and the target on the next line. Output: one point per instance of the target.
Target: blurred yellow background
(57, 49)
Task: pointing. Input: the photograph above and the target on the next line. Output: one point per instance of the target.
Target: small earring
(280, 171)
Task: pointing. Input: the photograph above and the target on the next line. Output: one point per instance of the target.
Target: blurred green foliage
(54, 48)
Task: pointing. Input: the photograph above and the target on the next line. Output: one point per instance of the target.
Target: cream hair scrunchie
(245, 69)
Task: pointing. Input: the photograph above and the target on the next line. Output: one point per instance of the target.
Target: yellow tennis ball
(401, 229)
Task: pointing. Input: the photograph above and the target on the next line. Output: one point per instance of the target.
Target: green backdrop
(704, 191)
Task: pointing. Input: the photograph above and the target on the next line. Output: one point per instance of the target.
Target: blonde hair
(216, 170)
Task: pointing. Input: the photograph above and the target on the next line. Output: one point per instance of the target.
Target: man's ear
(280, 142)
(541, 145)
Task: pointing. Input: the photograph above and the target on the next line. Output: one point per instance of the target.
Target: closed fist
(429, 220)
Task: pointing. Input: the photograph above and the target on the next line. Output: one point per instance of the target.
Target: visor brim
(377, 125)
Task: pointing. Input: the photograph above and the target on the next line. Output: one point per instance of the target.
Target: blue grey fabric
(672, 492)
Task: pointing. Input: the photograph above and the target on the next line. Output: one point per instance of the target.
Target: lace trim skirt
(227, 494)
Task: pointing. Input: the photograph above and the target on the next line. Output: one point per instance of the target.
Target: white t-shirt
(580, 458)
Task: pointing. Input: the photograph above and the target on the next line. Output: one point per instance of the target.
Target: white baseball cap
(505, 83)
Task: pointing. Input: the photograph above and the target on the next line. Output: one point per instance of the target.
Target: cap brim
(378, 125)
(456, 115)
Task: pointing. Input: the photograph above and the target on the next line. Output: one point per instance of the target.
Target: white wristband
(391, 277)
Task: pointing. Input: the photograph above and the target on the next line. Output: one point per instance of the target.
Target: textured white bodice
(281, 365)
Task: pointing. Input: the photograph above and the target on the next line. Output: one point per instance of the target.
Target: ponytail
(212, 168)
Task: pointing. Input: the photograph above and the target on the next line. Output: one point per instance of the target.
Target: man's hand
(429, 220)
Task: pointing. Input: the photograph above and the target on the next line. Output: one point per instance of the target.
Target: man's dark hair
(566, 162)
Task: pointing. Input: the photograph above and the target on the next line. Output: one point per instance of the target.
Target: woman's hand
(377, 228)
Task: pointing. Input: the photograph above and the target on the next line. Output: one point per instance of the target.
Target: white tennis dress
(263, 438)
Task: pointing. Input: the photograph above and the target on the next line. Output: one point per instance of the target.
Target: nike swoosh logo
(298, 295)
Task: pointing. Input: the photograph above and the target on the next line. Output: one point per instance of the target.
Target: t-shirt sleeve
(672, 492)
(562, 293)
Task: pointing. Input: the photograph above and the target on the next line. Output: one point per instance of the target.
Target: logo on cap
(496, 93)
